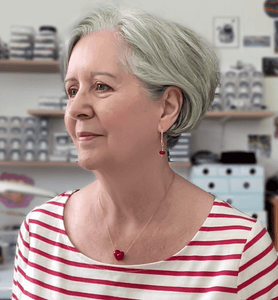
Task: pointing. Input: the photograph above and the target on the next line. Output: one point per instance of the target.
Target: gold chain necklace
(118, 254)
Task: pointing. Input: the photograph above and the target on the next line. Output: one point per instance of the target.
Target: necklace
(118, 254)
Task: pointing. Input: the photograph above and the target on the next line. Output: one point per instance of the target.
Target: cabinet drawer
(250, 202)
(246, 185)
(212, 185)
(251, 170)
(204, 170)
(229, 170)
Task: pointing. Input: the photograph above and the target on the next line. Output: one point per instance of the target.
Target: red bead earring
(162, 152)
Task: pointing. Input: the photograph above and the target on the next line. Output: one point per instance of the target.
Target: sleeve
(258, 270)
(21, 261)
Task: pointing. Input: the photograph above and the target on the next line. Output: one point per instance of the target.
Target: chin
(88, 163)
(93, 162)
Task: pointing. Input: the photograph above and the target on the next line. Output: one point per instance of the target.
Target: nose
(80, 107)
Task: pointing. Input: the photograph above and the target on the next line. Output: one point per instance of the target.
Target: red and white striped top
(230, 257)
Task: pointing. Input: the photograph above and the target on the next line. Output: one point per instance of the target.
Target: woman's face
(106, 101)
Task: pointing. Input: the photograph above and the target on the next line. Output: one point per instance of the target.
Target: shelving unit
(66, 164)
(209, 115)
(17, 66)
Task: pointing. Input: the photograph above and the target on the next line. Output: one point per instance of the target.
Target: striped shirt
(230, 257)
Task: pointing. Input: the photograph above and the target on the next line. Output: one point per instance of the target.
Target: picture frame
(270, 66)
(256, 41)
(226, 32)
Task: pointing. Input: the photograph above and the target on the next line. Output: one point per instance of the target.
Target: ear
(171, 103)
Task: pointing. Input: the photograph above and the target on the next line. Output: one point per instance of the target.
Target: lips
(85, 134)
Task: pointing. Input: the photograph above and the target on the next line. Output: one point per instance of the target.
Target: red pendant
(161, 152)
(119, 255)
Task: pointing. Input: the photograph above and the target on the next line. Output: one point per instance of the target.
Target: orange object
(274, 220)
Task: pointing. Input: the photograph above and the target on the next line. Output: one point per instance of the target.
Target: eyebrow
(102, 73)
(92, 75)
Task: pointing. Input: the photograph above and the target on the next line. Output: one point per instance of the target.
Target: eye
(102, 87)
(72, 92)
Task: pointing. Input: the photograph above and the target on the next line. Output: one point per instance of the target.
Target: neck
(132, 193)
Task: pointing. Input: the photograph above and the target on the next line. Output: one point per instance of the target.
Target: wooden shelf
(239, 114)
(179, 164)
(46, 113)
(66, 164)
(37, 164)
(29, 66)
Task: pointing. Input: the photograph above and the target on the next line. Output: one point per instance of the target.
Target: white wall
(19, 92)
(198, 15)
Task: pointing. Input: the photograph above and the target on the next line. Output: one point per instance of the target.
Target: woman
(139, 231)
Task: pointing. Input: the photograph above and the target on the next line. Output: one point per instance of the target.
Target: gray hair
(162, 54)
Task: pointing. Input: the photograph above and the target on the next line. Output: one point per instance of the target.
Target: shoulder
(221, 207)
(227, 213)
(42, 218)
(228, 226)
(255, 236)
(258, 268)
(248, 243)
(58, 201)
(50, 211)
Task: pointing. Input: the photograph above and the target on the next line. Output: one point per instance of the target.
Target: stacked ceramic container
(22, 42)
(4, 50)
(63, 148)
(181, 151)
(24, 139)
(243, 91)
(46, 44)
(52, 102)
(240, 91)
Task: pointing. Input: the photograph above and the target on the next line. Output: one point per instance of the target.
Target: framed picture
(226, 32)
(260, 145)
(270, 66)
(256, 41)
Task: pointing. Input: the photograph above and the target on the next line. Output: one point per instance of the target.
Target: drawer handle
(253, 171)
(230, 201)
(205, 171)
(255, 216)
(211, 185)
(246, 185)
(229, 171)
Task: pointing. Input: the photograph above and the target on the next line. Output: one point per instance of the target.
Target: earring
(162, 152)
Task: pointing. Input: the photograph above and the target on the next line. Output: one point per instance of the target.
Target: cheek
(122, 117)
(70, 125)
(116, 124)
(129, 124)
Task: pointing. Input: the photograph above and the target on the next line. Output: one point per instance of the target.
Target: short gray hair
(163, 54)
